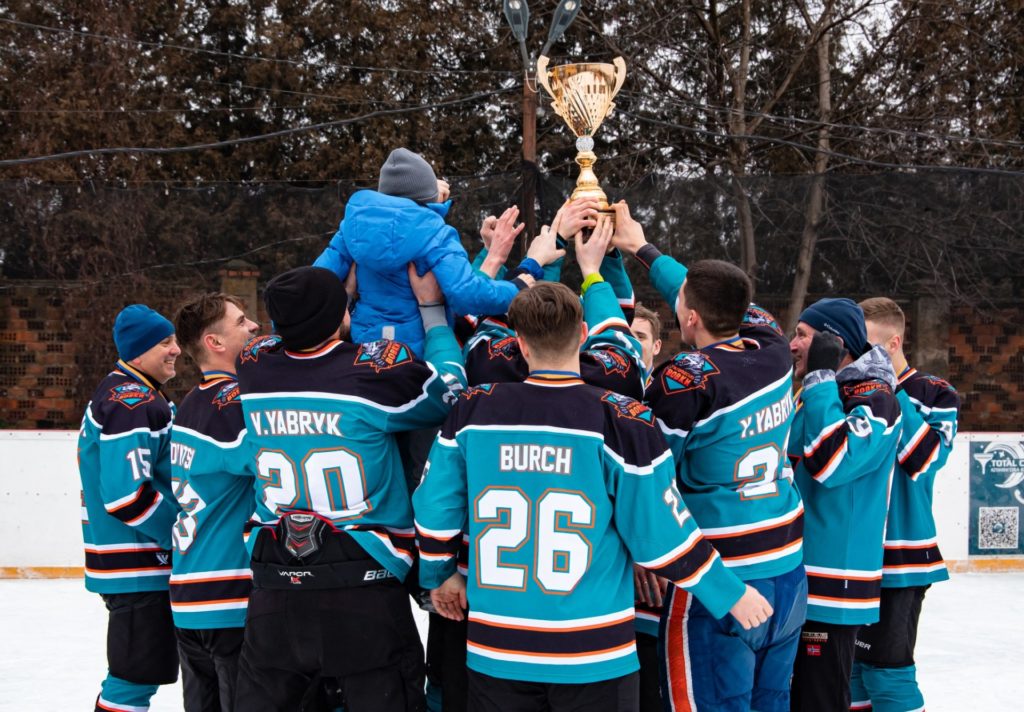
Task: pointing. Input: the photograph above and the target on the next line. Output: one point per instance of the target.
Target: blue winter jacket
(382, 234)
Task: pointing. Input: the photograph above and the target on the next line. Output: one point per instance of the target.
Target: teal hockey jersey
(128, 505)
(930, 407)
(844, 444)
(560, 486)
(321, 426)
(726, 412)
(213, 477)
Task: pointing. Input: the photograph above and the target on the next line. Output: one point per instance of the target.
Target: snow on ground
(53, 658)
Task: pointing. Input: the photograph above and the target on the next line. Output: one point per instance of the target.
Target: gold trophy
(583, 96)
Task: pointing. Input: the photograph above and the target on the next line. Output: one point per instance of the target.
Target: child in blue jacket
(401, 222)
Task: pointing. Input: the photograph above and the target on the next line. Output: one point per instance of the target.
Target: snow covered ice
(53, 646)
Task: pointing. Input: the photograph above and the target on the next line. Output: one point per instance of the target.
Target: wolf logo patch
(611, 361)
(484, 389)
(506, 348)
(756, 316)
(626, 407)
(382, 355)
(131, 395)
(688, 371)
(252, 350)
(227, 395)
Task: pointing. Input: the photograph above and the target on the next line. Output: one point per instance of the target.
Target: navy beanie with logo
(407, 175)
(842, 317)
(137, 329)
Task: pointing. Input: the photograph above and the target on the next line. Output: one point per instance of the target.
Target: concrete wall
(40, 531)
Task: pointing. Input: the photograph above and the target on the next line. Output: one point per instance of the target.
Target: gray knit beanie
(406, 175)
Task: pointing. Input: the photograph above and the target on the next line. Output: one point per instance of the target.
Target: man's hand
(427, 290)
(752, 609)
(825, 352)
(443, 190)
(650, 588)
(487, 230)
(544, 249)
(577, 215)
(629, 234)
(590, 254)
(449, 598)
(503, 233)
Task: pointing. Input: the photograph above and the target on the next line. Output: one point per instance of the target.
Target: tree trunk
(816, 195)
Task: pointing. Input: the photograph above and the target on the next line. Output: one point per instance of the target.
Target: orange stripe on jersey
(125, 571)
(542, 629)
(815, 574)
(677, 661)
(133, 500)
(784, 523)
(313, 354)
(179, 604)
(588, 653)
(837, 454)
(211, 580)
(848, 599)
(765, 552)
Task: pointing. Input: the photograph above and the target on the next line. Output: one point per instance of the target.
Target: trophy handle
(542, 74)
(620, 74)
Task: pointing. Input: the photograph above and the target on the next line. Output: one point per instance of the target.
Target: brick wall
(55, 345)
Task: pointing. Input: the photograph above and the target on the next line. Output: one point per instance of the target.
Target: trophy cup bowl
(582, 95)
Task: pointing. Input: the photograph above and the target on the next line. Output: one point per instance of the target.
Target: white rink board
(40, 498)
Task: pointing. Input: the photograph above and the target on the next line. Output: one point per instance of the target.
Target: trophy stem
(587, 187)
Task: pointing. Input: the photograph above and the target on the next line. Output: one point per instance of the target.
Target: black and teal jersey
(610, 358)
(844, 444)
(726, 411)
(930, 407)
(321, 427)
(213, 477)
(128, 505)
(559, 486)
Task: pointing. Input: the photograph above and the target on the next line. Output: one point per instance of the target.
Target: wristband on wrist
(589, 281)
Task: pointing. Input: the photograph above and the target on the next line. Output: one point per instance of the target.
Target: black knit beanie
(307, 305)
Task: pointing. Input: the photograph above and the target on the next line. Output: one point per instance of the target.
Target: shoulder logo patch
(939, 382)
(131, 395)
(484, 389)
(382, 355)
(626, 407)
(611, 361)
(688, 371)
(506, 347)
(226, 395)
(252, 350)
(756, 316)
(864, 389)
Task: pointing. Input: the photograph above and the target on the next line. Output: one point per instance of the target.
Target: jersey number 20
(329, 482)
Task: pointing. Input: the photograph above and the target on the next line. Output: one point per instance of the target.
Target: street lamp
(517, 12)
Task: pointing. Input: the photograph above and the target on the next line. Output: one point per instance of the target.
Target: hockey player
(561, 485)
(332, 536)
(129, 508)
(844, 445)
(725, 408)
(884, 676)
(609, 359)
(646, 328)
(213, 480)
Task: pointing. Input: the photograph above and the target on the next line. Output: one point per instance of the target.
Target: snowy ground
(52, 635)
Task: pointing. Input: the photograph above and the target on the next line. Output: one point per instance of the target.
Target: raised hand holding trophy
(583, 96)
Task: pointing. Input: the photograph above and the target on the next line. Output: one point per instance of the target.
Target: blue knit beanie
(842, 317)
(137, 329)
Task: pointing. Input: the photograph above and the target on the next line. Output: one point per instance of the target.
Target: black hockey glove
(825, 352)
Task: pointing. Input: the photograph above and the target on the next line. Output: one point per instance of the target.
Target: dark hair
(886, 312)
(651, 317)
(197, 315)
(720, 292)
(547, 316)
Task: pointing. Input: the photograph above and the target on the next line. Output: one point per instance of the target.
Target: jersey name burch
(536, 458)
(295, 422)
(767, 418)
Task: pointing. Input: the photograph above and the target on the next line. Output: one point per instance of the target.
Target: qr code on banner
(998, 527)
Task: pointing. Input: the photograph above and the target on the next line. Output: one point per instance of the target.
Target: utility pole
(517, 12)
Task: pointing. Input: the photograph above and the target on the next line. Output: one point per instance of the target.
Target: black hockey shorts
(446, 661)
(494, 694)
(141, 646)
(821, 671)
(890, 642)
(362, 635)
(209, 667)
